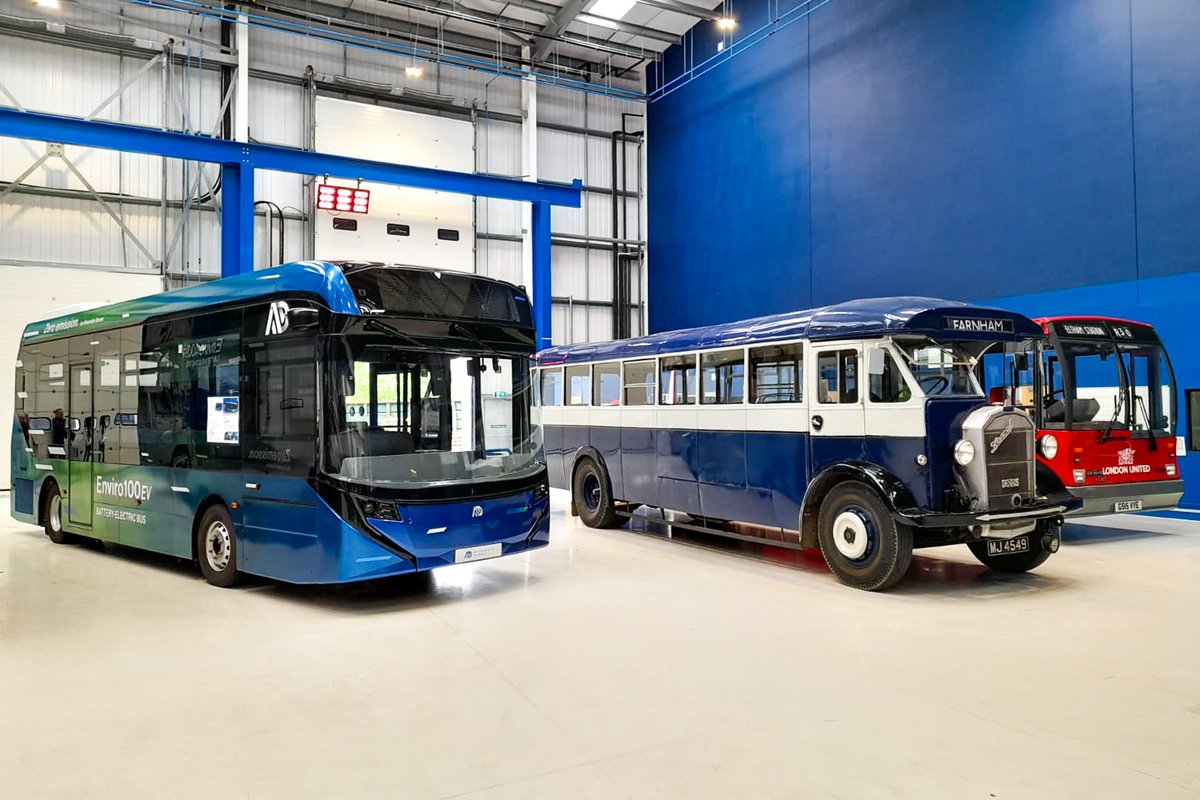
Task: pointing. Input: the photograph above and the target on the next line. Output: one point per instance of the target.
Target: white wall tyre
(860, 540)
(217, 547)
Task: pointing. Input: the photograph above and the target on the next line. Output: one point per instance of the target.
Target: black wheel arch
(48, 485)
(891, 490)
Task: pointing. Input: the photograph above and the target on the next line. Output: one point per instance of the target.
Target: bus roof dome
(869, 317)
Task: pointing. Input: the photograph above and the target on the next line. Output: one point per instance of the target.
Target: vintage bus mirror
(1021, 362)
(304, 319)
(875, 361)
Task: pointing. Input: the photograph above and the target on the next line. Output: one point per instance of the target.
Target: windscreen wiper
(374, 324)
(462, 329)
(1141, 402)
(1108, 429)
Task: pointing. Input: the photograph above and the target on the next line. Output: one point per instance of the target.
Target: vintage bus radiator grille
(1002, 475)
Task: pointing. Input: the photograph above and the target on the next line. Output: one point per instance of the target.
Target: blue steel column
(237, 219)
(540, 229)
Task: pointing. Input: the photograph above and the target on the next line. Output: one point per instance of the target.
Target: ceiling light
(613, 9)
(727, 23)
(46, 3)
(413, 71)
(590, 20)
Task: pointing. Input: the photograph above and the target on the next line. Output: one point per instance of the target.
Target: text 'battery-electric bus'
(1103, 397)
(311, 423)
(860, 428)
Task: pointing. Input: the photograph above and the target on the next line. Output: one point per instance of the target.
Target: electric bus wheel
(1012, 563)
(52, 514)
(216, 547)
(592, 494)
(861, 542)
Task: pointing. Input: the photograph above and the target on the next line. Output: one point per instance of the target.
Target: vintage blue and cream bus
(859, 428)
(312, 423)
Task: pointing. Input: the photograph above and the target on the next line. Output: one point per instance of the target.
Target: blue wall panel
(1044, 153)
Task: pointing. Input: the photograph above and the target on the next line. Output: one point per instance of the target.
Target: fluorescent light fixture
(727, 23)
(46, 3)
(601, 21)
(613, 9)
(413, 71)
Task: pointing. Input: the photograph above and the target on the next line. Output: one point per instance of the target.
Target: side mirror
(1021, 362)
(875, 361)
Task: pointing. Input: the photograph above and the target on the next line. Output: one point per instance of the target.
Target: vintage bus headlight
(1049, 446)
(964, 452)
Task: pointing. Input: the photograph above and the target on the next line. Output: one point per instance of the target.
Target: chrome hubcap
(56, 512)
(850, 535)
(218, 546)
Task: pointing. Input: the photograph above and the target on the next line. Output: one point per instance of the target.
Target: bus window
(552, 387)
(639, 383)
(607, 384)
(776, 373)
(579, 385)
(889, 385)
(723, 375)
(837, 372)
(678, 380)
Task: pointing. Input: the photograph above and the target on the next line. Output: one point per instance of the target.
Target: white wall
(69, 80)
(30, 294)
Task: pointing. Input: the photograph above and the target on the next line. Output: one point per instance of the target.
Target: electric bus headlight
(1049, 447)
(964, 452)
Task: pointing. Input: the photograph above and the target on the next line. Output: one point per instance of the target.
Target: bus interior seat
(1082, 410)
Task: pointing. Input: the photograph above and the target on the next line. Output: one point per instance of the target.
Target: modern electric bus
(1103, 398)
(311, 423)
(859, 428)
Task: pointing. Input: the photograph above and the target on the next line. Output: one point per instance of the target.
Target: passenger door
(81, 437)
(837, 422)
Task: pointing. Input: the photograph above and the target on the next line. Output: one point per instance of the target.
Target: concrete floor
(613, 664)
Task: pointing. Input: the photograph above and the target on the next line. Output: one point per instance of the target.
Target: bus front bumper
(1103, 499)
(921, 518)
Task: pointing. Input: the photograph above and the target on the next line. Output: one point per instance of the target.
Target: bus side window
(579, 385)
(777, 373)
(837, 376)
(552, 386)
(607, 384)
(723, 375)
(678, 380)
(889, 385)
(639, 383)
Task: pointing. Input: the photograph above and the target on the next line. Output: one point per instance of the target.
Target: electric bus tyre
(52, 514)
(591, 492)
(862, 543)
(1015, 564)
(217, 547)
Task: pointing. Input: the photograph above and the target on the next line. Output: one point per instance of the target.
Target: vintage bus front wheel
(216, 547)
(861, 542)
(591, 492)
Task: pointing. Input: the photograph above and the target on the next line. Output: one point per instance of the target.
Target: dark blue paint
(876, 316)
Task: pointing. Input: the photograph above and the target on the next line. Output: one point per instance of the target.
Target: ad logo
(477, 512)
(277, 318)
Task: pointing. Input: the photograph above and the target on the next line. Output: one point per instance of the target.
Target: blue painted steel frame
(239, 160)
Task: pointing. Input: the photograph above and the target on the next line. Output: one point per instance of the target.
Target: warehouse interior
(616, 169)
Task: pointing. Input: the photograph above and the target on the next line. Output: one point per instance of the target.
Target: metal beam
(687, 9)
(557, 24)
(131, 139)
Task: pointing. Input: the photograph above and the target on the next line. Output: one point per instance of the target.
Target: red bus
(1104, 403)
